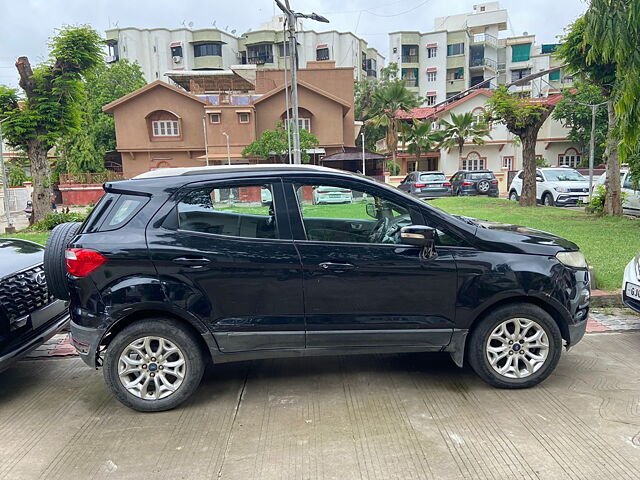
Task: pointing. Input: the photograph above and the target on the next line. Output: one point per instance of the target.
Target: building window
(243, 117)
(520, 53)
(432, 52)
(554, 76)
(165, 128)
(507, 163)
(520, 73)
(478, 115)
(409, 53)
(473, 162)
(455, 49)
(364, 61)
(260, 54)
(322, 54)
(430, 100)
(410, 76)
(303, 124)
(214, 117)
(431, 76)
(283, 49)
(455, 74)
(176, 51)
(570, 158)
(207, 50)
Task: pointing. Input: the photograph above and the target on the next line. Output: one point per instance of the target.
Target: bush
(56, 218)
(597, 200)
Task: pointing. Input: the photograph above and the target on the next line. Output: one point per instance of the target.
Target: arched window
(304, 119)
(473, 162)
(478, 115)
(164, 125)
(570, 158)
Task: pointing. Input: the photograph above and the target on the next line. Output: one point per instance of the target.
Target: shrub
(56, 218)
(597, 200)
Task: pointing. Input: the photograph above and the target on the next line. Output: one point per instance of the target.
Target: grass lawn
(608, 243)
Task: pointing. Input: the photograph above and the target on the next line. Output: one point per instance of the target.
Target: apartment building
(162, 50)
(472, 49)
(161, 125)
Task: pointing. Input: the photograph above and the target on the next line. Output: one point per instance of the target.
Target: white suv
(559, 186)
(631, 202)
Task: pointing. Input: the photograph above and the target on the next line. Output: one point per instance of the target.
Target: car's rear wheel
(515, 346)
(547, 200)
(154, 365)
(513, 196)
(55, 267)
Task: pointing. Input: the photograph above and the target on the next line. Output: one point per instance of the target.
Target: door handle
(192, 261)
(337, 266)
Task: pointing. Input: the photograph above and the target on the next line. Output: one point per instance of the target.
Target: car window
(630, 182)
(564, 175)
(432, 177)
(520, 176)
(332, 213)
(124, 209)
(238, 211)
(480, 176)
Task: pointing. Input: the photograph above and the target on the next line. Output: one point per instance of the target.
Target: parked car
(559, 186)
(158, 287)
(29, 315)
(426, 185)
(630, 189)
(631, 284)
(325, 195)
(477, 182)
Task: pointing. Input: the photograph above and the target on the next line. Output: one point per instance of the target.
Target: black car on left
(29, 315)
(472, 183)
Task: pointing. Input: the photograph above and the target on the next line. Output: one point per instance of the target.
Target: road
(366, 417)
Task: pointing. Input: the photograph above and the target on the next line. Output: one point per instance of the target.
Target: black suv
(477, 182)
(179, 266)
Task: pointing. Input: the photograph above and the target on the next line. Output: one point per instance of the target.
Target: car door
(455, 184)
(406, 183)
(231, 261)
(369, 291)
(632, 195)
(540, 184)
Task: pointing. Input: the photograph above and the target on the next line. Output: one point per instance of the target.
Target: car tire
(513, 196)
(485, 347)
(173, 333)
(55, 267)
(547, 200)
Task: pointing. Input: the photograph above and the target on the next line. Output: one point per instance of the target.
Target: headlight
(572, 259)
(562, 189)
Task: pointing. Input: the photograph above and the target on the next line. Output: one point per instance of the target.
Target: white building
(470, 49)
(162, 50)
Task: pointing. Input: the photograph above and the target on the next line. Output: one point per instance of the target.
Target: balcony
(410, 59)
(483, 62)
(411, 82)
(455, 85)
(260, 59)
(484, 39)
(371, 73)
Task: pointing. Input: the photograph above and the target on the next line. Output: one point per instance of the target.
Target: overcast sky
(28, 24)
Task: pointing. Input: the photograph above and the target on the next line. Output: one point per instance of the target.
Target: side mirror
(419, 236)
(371, 210)
(539, 179)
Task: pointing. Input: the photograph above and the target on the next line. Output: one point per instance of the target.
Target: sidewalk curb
(601, 298)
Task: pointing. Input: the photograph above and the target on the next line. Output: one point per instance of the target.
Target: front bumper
(566, 200)
(28, 342)
(86, 341)
(631, 275)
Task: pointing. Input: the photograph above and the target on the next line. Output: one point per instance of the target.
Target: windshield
(564, 175)
(480, 176)
(432, 177)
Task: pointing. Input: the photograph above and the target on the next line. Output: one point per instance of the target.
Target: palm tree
(419, 138)
(462, 128)
(387, 102)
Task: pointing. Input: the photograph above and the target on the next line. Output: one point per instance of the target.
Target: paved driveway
(387, 417)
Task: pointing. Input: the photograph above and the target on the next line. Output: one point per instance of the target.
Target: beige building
(161, 125)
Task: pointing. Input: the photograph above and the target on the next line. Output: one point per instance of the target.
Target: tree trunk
(528, 194)
(613, 197)
(41, 170)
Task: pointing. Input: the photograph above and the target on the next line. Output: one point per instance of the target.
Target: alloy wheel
(151, 368)
(517, 348)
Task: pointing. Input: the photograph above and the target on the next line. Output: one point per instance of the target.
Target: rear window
(432, 177)
(480, 176)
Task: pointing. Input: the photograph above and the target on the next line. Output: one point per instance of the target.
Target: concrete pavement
(382, 416)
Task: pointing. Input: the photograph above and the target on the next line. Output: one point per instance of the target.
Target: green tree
(460, 130)
(274, 143)
(50, 108)
(522, 117)
(84, 152)
(387, 102)
(419, 138)
(583, 60)
(574, 114)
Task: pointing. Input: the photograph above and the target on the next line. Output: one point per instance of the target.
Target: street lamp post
(592, 141)
(363, 162)
(5, 188)
(228, 150)
(291, 21)
(206, 140)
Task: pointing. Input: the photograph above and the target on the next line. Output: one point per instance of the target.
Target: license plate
(633, 291)
(42, 316)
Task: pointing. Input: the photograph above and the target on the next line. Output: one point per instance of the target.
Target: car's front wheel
(515, 346)
(513, 196)
(154, 364)
(547, 200)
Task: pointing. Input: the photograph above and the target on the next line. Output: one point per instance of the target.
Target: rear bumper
(475, 193)
(34, 339)
(86, 341)
(429, 195)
